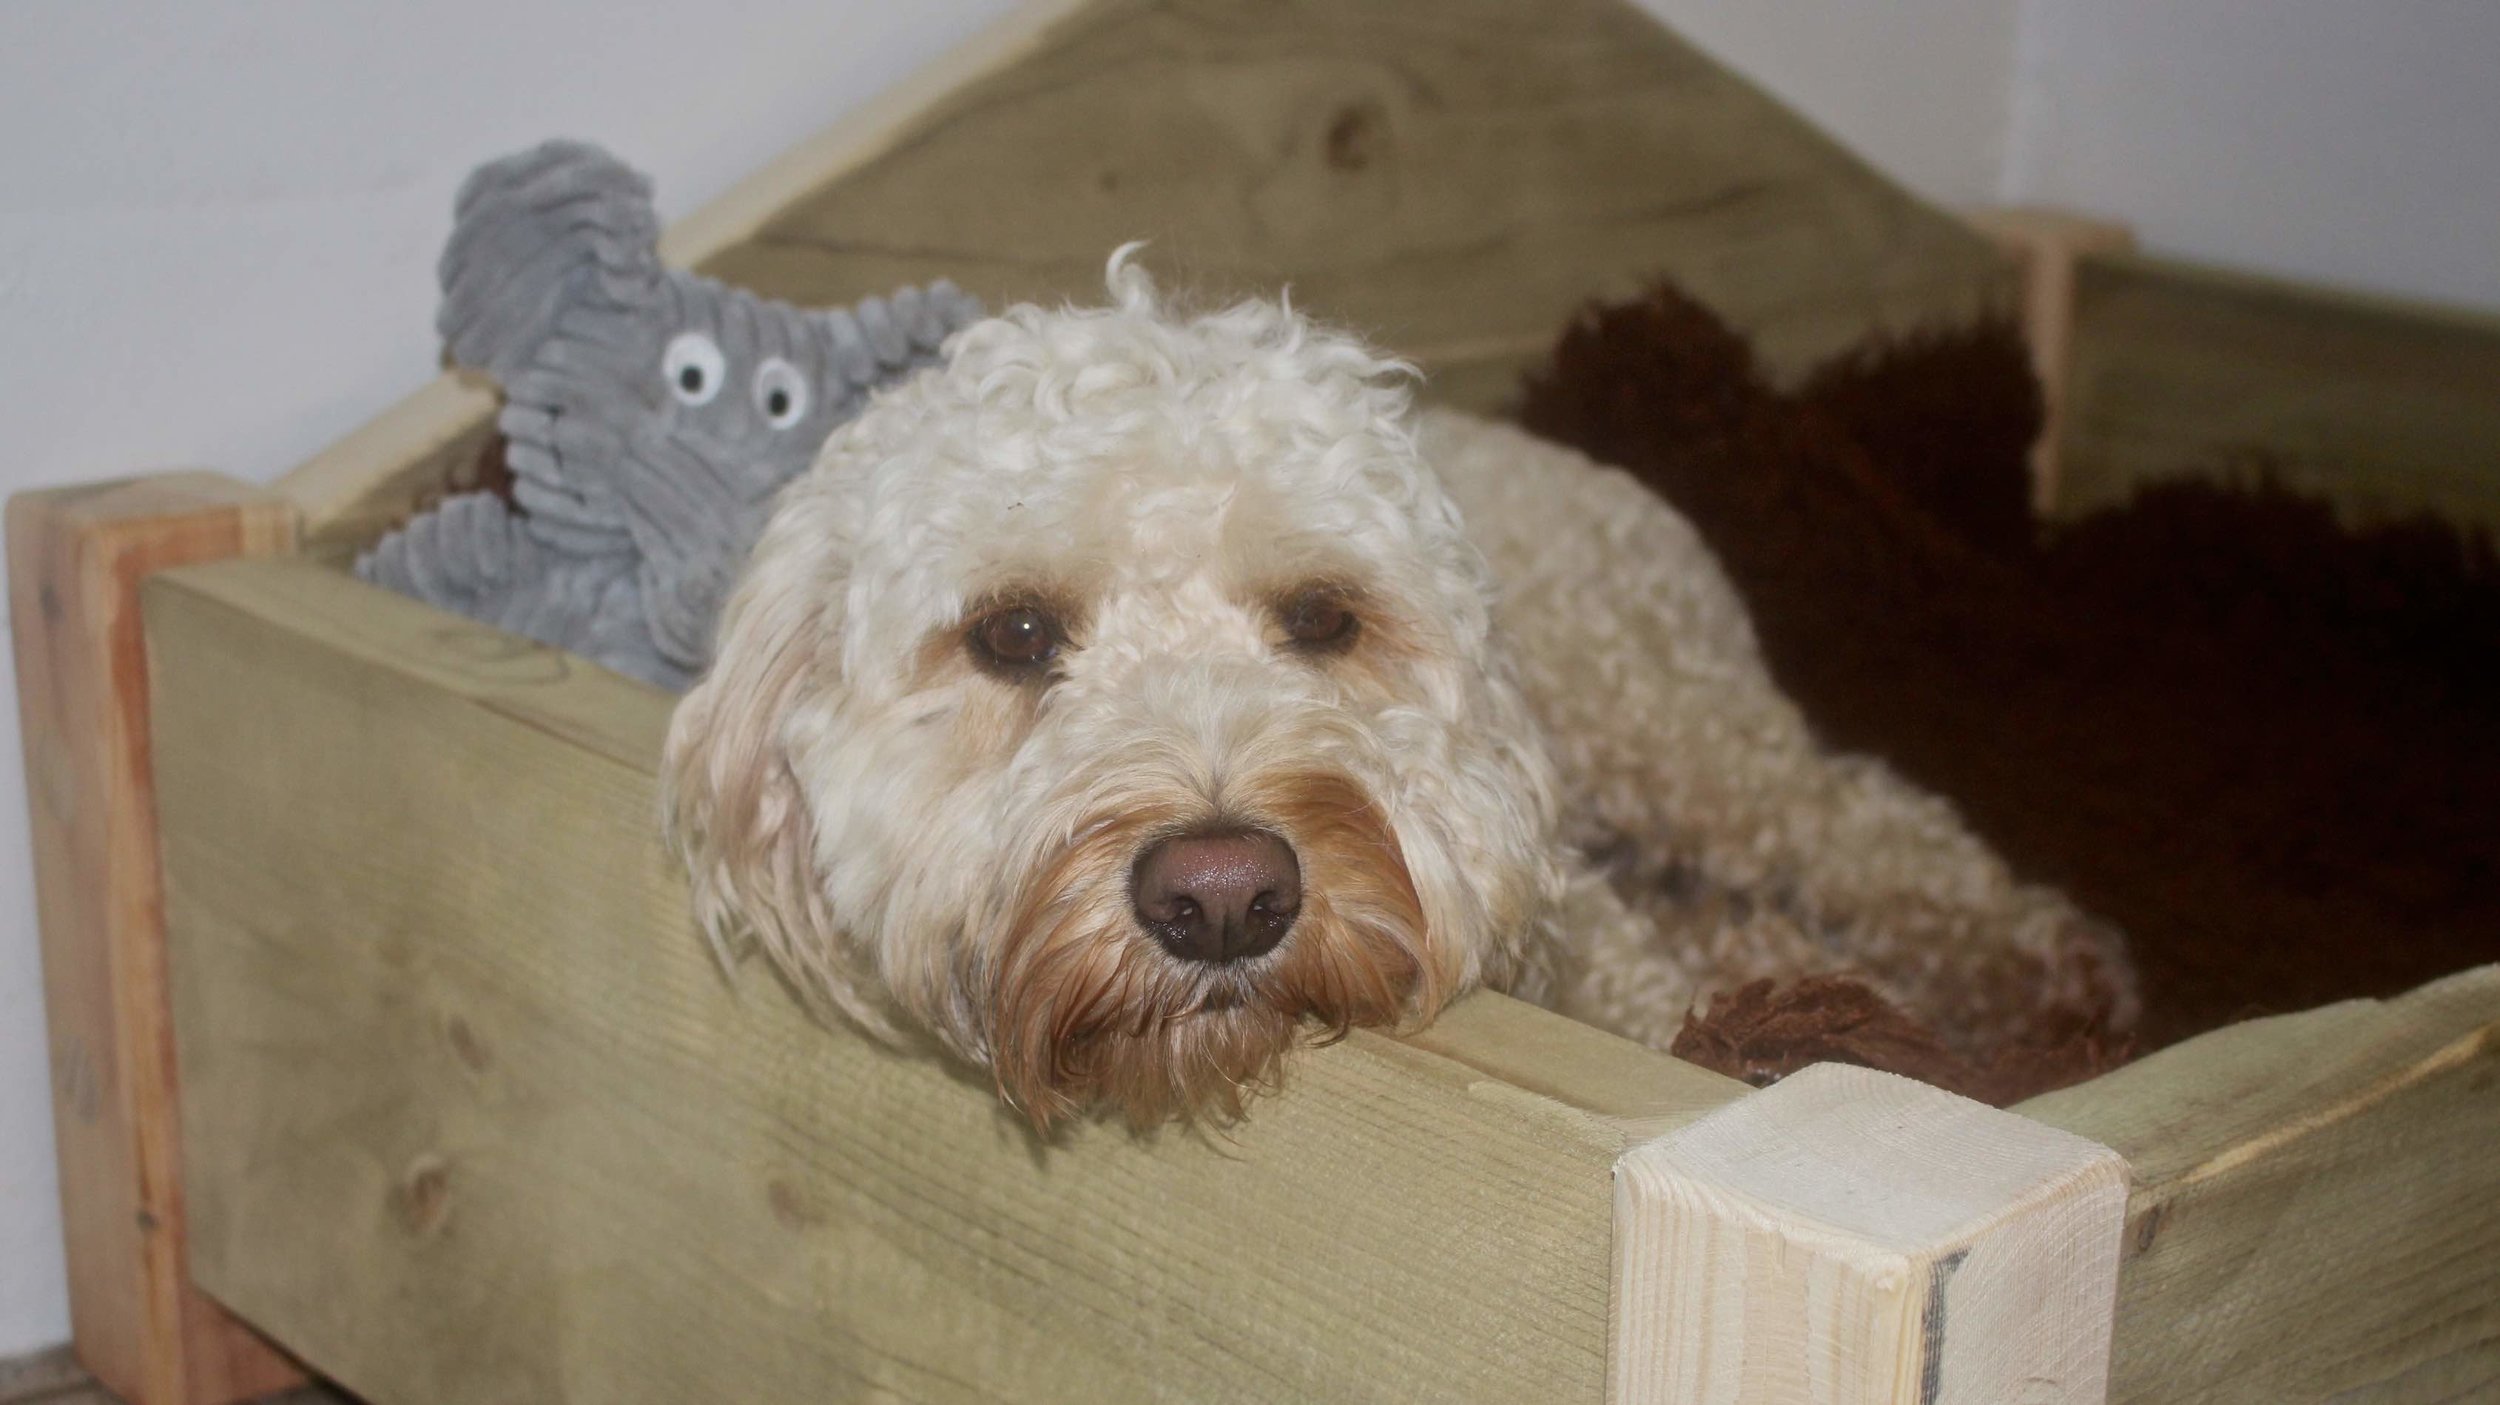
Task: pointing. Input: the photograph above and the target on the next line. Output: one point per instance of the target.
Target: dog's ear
(730, 794)
(534, 234)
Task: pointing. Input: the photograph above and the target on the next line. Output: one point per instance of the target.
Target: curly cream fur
(1551, 762)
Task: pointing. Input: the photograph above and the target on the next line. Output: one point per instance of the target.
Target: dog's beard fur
(1084, 1008)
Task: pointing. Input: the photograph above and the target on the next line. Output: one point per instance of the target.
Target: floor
(53, 1378)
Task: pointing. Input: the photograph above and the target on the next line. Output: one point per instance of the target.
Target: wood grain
(1855, 1238)
(443, 1018)
(2316, 1213)
(76, 560)
(2381, 406)
(1455, 178)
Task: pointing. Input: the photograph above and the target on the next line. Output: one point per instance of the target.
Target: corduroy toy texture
(649, 414)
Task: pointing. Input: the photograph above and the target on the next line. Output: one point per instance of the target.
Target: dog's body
(1714, 842)
(1134, 693)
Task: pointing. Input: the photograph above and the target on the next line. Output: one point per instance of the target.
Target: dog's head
(1115, 702)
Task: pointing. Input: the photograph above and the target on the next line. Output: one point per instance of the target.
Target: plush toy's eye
(694, 368)
(780, 393)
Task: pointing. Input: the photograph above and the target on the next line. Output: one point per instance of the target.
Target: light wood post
(1848, 1237)
(2046, 245)
(76, 557)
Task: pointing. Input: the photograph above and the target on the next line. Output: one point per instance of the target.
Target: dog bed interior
(2264, 742)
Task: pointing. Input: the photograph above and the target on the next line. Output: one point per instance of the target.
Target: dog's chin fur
(1085, 1009)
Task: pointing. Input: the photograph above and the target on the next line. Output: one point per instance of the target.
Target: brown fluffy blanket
(2266, 746)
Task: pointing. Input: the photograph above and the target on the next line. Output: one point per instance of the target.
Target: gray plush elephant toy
(649, 415)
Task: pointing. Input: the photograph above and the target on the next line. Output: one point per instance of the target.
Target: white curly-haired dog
(1136, 694)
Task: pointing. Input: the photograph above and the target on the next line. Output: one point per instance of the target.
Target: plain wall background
(218, 220)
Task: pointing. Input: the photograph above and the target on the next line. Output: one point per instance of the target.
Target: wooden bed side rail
(2154, 367)
(443, 1018)
(2157, 368)
(2316, 1213)
(76, 560)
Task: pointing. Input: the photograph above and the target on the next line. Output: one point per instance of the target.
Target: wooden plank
(2316, 1213)
(1856, 1238)
(76, 559)
(2381, 406)
(2045, 245)
(352, 492)
(443, 1018)
(1455, 177)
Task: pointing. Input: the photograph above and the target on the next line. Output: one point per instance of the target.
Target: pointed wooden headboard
(1453, 177)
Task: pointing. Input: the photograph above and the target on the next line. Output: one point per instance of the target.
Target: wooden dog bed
(465, 1112)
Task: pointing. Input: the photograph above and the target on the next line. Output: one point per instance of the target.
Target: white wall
(2356, 143)
(218, 220)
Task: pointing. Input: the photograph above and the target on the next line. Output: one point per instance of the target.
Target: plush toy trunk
(467, 1112)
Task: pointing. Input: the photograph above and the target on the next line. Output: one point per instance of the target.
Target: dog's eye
(1320, 621)
(1018, 639)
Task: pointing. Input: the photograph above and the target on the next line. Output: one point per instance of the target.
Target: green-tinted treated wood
(474, 1117)
(1456, 177)
(2316, 1212)
(394, 465)
(2383, 407)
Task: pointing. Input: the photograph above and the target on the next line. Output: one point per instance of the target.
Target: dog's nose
(1224, 895)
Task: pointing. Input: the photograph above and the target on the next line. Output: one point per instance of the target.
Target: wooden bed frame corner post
(76, 559)
(1850, 1237)
(2046, 245)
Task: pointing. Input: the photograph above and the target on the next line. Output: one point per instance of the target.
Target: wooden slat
(1855, 1238)
(2046, 245)
(2382, 406)
(1454, 177)
(76, 558)
(2316, 1213)
(473, 1117)
(352, 492)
